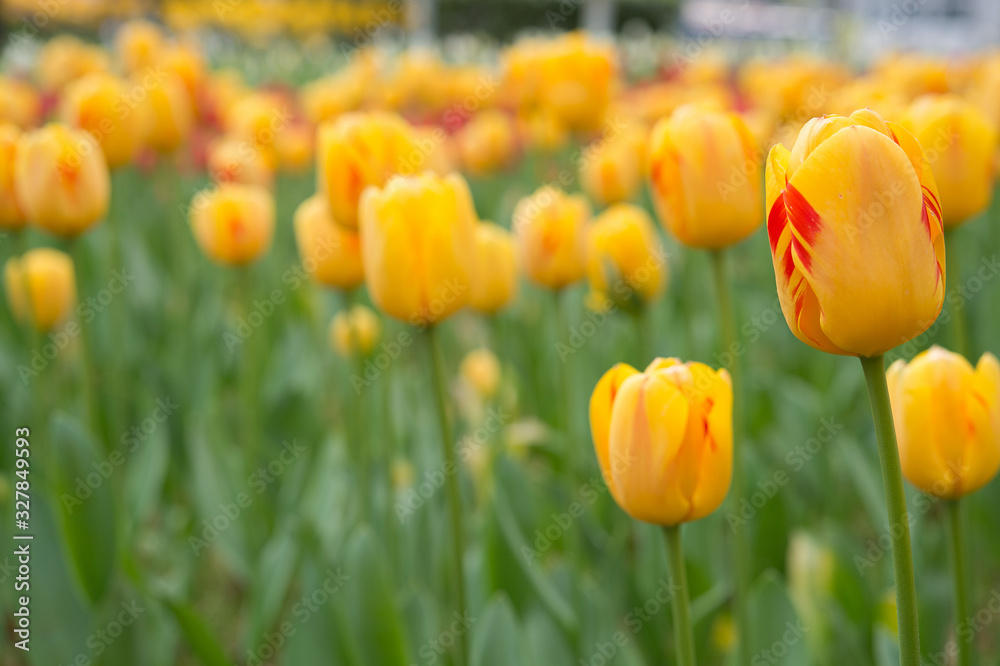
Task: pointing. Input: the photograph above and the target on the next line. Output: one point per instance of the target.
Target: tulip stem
(957, 547)
(454, 498)
(895, 499)
(680, 601)
(959, 325)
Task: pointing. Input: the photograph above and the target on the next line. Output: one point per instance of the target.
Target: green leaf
(495, 638)
(273, 578)
(777, 635)
(374, 616)
(198, 635)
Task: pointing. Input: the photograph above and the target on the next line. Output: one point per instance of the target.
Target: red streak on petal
(802, 215)
(788, 264)
(803, 254)
(777, 219)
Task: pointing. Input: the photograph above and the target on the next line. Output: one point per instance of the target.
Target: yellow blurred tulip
(355, 331)
(704, 168)
(418, 246)
(486, 143)
(480, 369)
(856, 236)
(664, 439)
(20, 104)
(611, 171)
(330, 253)
(170, 114)
(61, 179)
(295, 147)
(495, 269)
(100, 104)
(64, 59)
(234, 159)
(11, 214)
(625, 257)
(41, 287)
(947, 418)
(233, 223)
(139, 43)
(549, 226)
(186, 62)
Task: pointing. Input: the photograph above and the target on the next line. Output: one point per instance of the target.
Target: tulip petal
(601, 403)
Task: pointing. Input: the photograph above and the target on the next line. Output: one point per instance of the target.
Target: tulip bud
(98, 104)
(664, 439)
(40, 286)
(64, 59)
(610, 170)
(330, 253)
(481, 370)
(947, 418)
(61, 179)
(139, 43)
(495, 282)
(11, 216)
(960, 144)
(186, 64)
(704, 168)
(549, 226)
(170, 114)
(233, 223)
(486, 143)
(234, 159)
(625, 257)
(355, 331)
(19, 103)
(856, 238)
(418, 246)
(294, 147)
(358, 150)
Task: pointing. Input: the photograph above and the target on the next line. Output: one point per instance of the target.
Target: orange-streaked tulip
(625, 257)
(99, 104)
(139, 43)
(331, 253)
(495, 282)
(947, 417)
(61, 179)
(664, 439)
(486, 143)
(550, 229)
(358, 150)
(480, 369)
(960, 144)
(11, 215)
(418, 243)
(41, 287)
(856, 237)
(170, 114)
(235, 159)
(19, 103)
(233, 223)
(355, 331)
(703, 172)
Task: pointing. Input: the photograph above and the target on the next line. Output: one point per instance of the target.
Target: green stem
(640, 323)
(959, 324)
(454, 498)
(565, 421)
(741, 549)
(680, 601)
(895, 499)
(957, 548)
(91, 380)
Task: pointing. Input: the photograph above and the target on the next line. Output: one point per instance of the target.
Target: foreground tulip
(495, 269)
(233, 223)
(703, 172)
(625, 257)
(11, 216)
(481, 370)
(61, 179)
(355, 331)
(858, 250)
(41, 288)
(330, 253)
(550, 230)
(100, 104)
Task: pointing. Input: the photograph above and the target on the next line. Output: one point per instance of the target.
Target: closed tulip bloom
(358, 150)
(294, 147)
(960, 144)
(495, 282)
(481, 370)
(233, 223)
(41, 288)
(100, 104)
(11, 215)
(664, 439)
(487, 143)
(856, 238)
(330, 253)
(549, 226)
(139, 44)
(61, 179)
(355, 331)
(20, 103)
(171, 117)
(418, 246)
(234, 159)
(610, 171)
(624, 255)
(703, 165)
(947, 417)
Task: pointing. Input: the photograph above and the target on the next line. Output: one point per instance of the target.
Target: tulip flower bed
(535, 362)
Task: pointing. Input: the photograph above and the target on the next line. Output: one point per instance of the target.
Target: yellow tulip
(19, 103)
(611, 171)
(40, 287)
(233, 223)
(61, 179)
(355, 331)
(139, 44)
(418, 244)
(495, 268)
(947, 418)
(170, 114)
(549, 226)
(294, 147)
(234, 159)
(704, 167)
(486, 143)
(664, 439)
(11, 214)
(856, 237)
(960, 145)
(481, 370)
(358, 150)
(64, 59)
(578, 77)
(186, 63)
(331, 253)
(625, 257)
(100, 104)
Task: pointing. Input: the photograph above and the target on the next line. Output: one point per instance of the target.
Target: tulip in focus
(550, 229)
(486, 144)
(41, 287)
(664, 439)
(856, 237)
(330, 253)
(61, 179)
(495, 269)
(100, 104)
(355, 331)
(233, 223)
(947, 417)
(625, 257)
(481, 370)
(11, 215)
(418, 246)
